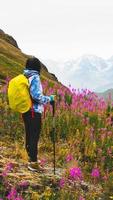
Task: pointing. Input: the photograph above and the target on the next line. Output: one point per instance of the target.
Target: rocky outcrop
(8, 38)
(53, 77)
(1, 31)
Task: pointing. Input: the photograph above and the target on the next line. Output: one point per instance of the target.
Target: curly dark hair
(33, 63)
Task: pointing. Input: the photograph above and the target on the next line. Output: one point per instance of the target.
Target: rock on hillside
(8, 38)
(1, 32)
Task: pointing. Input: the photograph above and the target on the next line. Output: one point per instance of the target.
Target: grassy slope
(12, 61)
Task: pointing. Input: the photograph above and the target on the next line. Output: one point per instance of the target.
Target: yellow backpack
(18, 94)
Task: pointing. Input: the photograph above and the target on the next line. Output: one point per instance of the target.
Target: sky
(60, 29)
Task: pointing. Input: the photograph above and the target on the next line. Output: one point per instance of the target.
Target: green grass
(12, 61)
(9, 67)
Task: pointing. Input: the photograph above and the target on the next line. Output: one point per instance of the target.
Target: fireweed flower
(4, 173)
(105, 178)
(95, 173)
(24, 184)
(19, 198)
(12, 194)
(75, 173)
(62, 183)
(81, 198)
(43, 161)
(9, 167)
(69, 157)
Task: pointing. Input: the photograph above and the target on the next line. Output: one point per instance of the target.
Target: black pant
(32, 130)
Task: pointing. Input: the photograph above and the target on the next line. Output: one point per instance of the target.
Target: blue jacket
(36, 90)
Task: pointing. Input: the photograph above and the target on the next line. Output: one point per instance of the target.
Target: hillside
(12, 59)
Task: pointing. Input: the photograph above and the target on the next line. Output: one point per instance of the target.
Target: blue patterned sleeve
(36, 91)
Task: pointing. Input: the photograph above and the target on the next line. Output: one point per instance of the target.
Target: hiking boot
(35, 167)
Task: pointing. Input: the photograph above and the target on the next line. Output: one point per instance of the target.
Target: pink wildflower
(9, 166)
(62, 182)
(95, 173)
(105, 178)
(24, 184)
(12, 194)
(7, 169)
(42, 162)
(81, 198)
(19, 198)
(69, 157)
(75, 173)
(4, 173)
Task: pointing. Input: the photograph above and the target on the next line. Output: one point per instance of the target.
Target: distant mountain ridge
(106, 95)
(88, 71)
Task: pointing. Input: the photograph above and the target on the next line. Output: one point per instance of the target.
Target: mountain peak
(88, 71)
(92, 62)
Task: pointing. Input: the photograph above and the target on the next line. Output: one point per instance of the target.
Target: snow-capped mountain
(88, 71)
